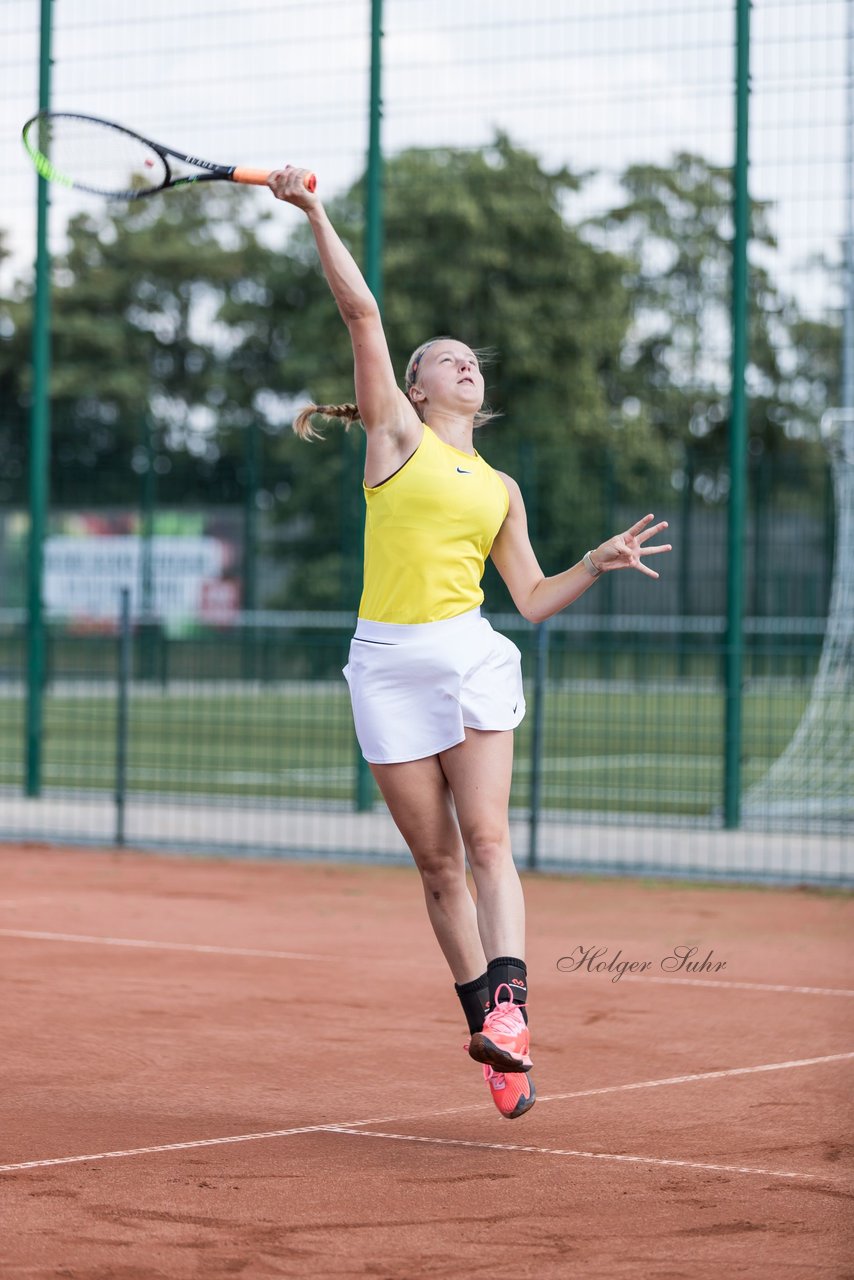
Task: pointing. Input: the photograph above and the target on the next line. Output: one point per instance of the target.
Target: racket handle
(258, 178)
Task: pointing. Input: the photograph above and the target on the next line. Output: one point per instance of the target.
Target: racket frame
(211, 172)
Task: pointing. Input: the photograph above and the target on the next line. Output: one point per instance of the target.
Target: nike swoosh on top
(463, 471)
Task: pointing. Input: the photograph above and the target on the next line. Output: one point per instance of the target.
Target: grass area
(616, 749)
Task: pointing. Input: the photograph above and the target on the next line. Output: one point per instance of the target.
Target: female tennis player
(436, 692)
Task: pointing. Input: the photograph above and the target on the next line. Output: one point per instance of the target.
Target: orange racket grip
(258, 178)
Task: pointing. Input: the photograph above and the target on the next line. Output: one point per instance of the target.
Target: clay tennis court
(251, 1069)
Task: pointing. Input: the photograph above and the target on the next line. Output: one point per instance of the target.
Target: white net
(813, 780)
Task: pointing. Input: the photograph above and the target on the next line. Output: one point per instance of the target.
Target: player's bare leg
(478, 771)
(479, 774)
(419, 800)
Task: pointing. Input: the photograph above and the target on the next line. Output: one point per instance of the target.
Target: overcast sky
(589, 83)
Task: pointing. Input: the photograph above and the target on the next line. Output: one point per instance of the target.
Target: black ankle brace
(511, 972)
(474, 997)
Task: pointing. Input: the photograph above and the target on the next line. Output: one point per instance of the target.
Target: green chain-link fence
(557, 185)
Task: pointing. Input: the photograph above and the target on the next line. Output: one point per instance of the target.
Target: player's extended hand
(624, 551)
(289, 184)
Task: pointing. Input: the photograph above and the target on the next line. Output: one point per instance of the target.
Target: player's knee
(488, 849)
(440, 869)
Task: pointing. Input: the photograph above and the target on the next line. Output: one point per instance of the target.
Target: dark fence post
(364, 783)
(734, 652)
(122, 713)
(540, 674)
(39, 466)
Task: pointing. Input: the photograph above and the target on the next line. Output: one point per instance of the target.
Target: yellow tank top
(428, 531)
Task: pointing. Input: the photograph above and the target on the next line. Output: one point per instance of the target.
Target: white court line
(299, 955)
(702, 1075)
(585, 1155)
(744, 986)
(657, 1084)
(166, 1146)
(159, 946)
(348, 1125)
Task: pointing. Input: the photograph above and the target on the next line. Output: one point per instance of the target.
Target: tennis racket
(96, 155)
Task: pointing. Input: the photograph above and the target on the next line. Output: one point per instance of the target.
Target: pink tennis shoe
(504, 1043)
(513, 1094)
(503, 1046)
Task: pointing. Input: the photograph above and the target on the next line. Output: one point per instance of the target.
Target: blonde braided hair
(305, 428)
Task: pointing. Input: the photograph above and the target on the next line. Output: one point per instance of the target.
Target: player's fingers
(639, 527)
(301, 179)
(276, 181)
(651, 532)
(654, 551)
(289, 182)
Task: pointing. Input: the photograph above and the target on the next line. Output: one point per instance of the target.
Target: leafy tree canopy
(675, 227)
(182, 321)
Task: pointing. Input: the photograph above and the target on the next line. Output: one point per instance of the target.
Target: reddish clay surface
(109, 1048)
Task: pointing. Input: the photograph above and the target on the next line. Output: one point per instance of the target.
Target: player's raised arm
(382, 406)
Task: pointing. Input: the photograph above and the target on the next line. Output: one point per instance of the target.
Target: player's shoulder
(512, 488)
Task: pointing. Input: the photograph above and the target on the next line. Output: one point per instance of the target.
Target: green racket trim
(44, 167)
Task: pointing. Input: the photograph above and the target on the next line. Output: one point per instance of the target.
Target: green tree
(675, 229)
(134, 337)
(611, 348)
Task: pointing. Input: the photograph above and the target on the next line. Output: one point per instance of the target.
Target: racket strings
(94, 156)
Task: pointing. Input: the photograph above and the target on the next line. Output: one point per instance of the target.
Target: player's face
(449, 376)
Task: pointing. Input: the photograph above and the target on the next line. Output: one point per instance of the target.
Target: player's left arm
(538, 597)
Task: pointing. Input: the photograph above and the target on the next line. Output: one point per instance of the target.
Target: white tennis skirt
(416, 688)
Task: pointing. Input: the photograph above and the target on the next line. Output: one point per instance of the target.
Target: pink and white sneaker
(513, 1094)
(504, 1043)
